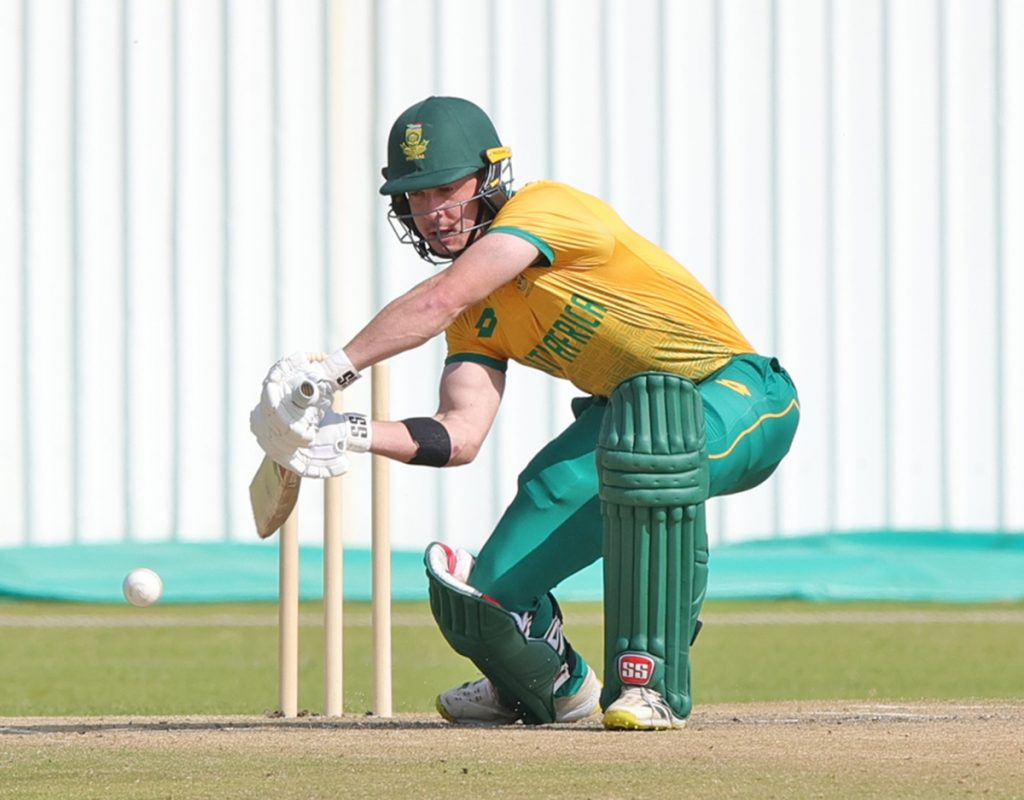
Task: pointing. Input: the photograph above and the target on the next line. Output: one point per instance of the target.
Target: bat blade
(273, 493)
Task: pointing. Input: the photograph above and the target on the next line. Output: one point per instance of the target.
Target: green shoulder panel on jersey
(476, 358)
(544, 248)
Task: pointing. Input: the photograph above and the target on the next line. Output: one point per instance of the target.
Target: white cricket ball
(142, 587)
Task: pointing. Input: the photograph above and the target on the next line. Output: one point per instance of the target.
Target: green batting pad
(652, 464)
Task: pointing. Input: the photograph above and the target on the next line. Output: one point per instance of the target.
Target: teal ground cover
(889, 566)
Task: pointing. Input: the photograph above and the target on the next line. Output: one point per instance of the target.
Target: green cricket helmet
(435, 142)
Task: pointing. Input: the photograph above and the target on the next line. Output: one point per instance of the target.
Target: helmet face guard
(495, 188)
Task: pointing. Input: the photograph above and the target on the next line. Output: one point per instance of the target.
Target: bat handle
(305, 393)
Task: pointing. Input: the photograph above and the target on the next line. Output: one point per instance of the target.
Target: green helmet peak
(437, 141)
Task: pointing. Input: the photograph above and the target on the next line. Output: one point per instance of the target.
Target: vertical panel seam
(832, 338)
(943, 260)
(77, 282)
(999, 412)
(25, 191)
(227, 270)
(127, 285)
(887, 371)
(177, 390)
(327, 156)
(275, 180)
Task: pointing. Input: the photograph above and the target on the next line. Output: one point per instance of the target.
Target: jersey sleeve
(565, 231)
(465, 343)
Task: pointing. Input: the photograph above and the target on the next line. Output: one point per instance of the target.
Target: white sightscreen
(188, 190)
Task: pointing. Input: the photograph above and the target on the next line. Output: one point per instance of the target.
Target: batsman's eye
(487, 323)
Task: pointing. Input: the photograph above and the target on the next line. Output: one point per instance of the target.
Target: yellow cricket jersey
(607, 305)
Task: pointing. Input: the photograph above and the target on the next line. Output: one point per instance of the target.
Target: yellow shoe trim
(621, 720)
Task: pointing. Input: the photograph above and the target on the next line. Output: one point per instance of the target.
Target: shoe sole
(620, 720)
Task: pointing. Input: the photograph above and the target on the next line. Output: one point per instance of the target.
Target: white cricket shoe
(641, 709)
(476, 703)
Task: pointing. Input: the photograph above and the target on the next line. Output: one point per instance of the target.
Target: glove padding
(296, 394)
(288, 413)
(452, 566)
(337, 435)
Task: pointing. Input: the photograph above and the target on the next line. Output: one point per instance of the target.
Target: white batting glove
(326, 456)
(293, 415)
(295, 395)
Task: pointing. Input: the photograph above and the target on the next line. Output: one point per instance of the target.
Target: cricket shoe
(477, 703)
(641, 709)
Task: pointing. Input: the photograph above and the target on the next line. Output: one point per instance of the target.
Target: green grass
(92, 661)
(56, 663)
(740, 663)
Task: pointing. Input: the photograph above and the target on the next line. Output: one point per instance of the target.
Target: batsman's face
(445, 215)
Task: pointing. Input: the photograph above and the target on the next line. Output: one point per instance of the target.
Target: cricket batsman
(678, 407)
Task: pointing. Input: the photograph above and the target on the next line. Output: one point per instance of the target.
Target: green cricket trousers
(553, 528)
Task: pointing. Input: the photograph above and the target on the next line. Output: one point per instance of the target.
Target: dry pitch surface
(792, 750)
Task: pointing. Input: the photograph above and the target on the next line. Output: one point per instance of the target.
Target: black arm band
(435, 446)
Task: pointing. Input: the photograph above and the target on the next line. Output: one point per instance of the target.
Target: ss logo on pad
(635, 670)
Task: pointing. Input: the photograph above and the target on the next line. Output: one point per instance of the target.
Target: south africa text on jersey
(568, 334)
